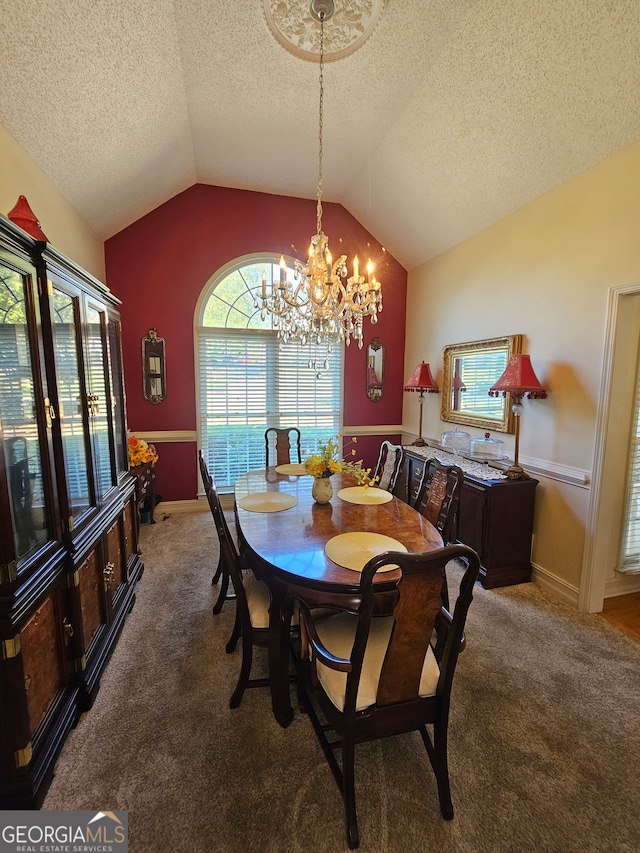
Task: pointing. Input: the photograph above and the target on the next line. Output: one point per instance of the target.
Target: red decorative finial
(26, 219)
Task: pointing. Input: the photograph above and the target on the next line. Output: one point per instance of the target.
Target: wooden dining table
(286, 549)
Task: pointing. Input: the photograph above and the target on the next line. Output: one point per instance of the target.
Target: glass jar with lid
(487, 449)
(456, 441)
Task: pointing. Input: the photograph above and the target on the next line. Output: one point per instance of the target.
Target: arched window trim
(288, 404)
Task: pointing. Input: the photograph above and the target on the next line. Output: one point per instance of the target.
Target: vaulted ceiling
(451, 114)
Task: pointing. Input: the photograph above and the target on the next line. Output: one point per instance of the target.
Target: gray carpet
(544, 733)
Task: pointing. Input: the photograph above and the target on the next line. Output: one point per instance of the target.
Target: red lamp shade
(421, 380)
(26, 219)
(458, 384)
(519, 378)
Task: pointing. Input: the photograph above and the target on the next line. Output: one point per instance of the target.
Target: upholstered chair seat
(337, 634)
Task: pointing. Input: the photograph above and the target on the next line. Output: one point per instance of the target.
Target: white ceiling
(451, 115)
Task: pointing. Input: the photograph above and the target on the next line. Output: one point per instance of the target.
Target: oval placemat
(267, 501)
(293, 469)
(363, 495)
(354, 550)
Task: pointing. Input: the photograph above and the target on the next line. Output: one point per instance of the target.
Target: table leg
(280, 614)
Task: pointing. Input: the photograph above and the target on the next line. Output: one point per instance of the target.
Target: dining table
(313, 552)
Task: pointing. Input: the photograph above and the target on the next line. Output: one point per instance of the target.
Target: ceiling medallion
(295, 26)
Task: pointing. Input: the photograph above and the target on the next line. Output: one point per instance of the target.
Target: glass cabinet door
(117, 395)
(98, 402)
(21, 394)
(65, 321)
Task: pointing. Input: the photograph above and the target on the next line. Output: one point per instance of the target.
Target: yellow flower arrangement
(140, 453)
(328, 462)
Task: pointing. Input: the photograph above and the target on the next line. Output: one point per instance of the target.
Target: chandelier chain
(319, 302)
(320, 128)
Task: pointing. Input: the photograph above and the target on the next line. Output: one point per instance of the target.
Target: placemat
(362, 495)
(295, 469)
(267, 501)
(353, 550)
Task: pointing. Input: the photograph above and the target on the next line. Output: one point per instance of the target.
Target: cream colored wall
(64, 227)
(543, 271)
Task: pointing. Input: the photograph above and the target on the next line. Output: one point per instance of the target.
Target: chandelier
(320, 302)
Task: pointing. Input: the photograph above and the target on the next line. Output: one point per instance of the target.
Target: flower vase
(322, 490)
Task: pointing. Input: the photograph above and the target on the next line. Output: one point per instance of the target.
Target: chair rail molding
(377, 429)
(166, 436)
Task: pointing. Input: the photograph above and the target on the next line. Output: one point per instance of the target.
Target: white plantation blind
(248, 381)
(630, 558)
(478, 374)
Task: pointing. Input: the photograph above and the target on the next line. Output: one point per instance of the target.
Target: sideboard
(495, 516)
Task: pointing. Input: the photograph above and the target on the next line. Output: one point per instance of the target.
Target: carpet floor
(544, 735)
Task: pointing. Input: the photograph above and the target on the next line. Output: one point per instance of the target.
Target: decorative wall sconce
(153, 368)
(375, 369)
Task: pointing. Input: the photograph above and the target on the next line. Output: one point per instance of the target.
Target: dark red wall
(158, 267)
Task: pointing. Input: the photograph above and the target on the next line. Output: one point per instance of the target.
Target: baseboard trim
(621, 585)
(180, 506)
(558, 587)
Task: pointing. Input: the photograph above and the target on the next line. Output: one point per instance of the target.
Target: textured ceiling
(450, 115)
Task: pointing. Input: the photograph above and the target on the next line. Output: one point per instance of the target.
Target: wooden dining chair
(252, 599)
(438, 497)
(389, 465)
(221, 573)
(367, 677)
(278, 443)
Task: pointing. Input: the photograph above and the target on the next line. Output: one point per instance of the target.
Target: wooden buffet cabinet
(495, 517)
(68, 517)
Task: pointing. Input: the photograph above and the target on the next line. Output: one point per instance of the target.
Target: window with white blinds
(478, 374)
(630, 557)
(248, 381)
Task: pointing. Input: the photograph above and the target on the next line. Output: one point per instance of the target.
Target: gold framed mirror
(469, 370)
(154, 368)
(375, 369)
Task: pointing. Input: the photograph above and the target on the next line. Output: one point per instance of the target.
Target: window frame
(267, 258)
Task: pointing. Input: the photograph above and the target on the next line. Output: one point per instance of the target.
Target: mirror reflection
(153, 367)
(375, 369)
(469, 370)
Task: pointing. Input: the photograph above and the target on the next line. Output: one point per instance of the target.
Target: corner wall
(64, 227)
(160, 264)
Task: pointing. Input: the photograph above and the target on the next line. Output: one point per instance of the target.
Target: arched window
(248, 381)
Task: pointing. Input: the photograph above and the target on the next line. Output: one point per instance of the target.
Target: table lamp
(421, 380)
(519, 379)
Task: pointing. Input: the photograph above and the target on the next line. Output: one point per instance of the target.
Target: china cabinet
(68, 518)
(495, 516)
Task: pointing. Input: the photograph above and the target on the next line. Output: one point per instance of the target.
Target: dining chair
(389, 465)
(438, 497)
(221, 573)
(279, 442)
(366, 676)
(252, 600)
